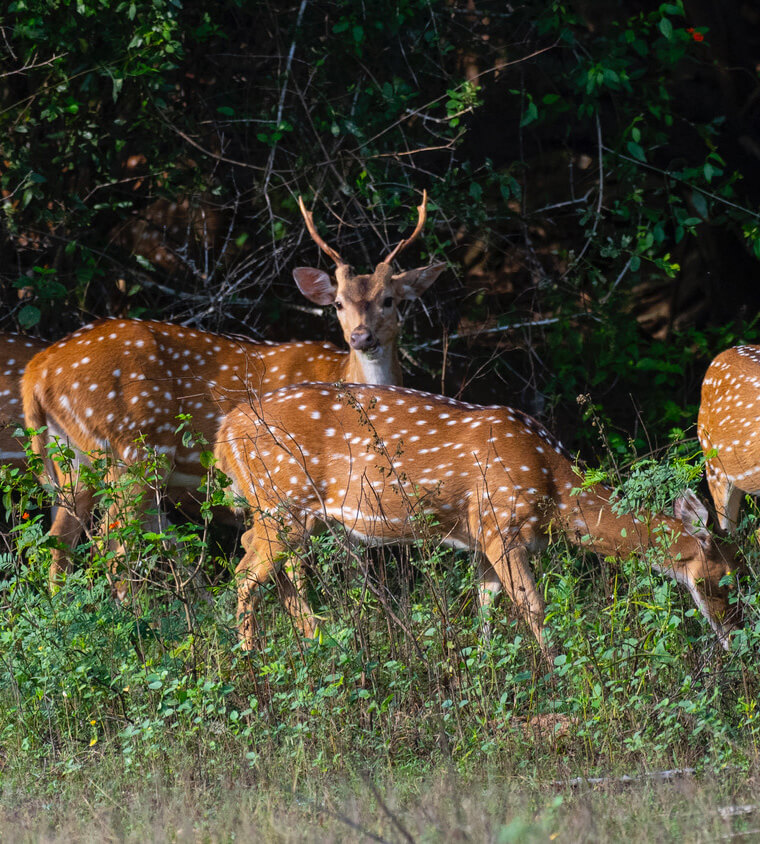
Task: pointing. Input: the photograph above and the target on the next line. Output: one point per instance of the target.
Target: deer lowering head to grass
(116, 381)
(16, 352)
(381, 461)
(728, 428)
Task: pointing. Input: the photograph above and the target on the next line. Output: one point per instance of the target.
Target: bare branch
(33, 66)
(208, 152)
(422, 216)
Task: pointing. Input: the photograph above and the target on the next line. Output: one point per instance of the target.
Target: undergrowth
(401, 681)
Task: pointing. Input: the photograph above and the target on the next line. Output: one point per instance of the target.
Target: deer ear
(413, 283)
(693, 513)
(315, 285)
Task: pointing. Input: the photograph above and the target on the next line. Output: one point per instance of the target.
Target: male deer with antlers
(115, 381)
(728, 428)
(492, 479)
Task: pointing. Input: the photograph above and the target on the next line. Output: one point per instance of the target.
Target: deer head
(367, 305)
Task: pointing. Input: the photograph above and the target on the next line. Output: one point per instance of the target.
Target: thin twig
(33, 66)
(567, 202)
(281, 104)
(500, 328)
(597, 215)
(214, 155)
(394, 820)
(449, 145)
(420, 111)
(671, 175)
(617, 280)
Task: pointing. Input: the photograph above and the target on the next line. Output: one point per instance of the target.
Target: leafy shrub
(400, 669)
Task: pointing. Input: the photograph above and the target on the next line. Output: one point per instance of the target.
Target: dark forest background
(593, 172)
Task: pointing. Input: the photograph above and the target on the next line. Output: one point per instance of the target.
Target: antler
(328, 250)
(422, 211)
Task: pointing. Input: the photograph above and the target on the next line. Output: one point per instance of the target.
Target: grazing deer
(16, 354)
(380, 461)
(728, 428)
(114, 381)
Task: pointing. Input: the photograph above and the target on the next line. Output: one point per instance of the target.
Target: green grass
(143, 720)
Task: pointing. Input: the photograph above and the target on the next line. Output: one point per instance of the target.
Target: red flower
(25, 515)
(113, 526)
(696, 36)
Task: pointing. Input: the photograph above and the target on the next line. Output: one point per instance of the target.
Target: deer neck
(381, 366)
(625, 534)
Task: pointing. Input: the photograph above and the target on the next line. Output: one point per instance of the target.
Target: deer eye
(388, 302)
(338, 305)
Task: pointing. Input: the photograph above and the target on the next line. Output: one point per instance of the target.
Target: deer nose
(362, 339)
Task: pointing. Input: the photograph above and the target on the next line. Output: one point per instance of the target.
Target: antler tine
(422, 212)
(328, 250)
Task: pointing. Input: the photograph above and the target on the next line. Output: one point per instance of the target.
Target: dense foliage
(592, 180)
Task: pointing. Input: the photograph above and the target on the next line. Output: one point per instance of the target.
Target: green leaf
(700, 204)
(530, 114)
(28, 316)
(666, 28)
(636, 151)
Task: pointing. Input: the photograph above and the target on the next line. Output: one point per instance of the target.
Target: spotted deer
(117, 380)
(383, 461)
(17, 351)
(728, 427)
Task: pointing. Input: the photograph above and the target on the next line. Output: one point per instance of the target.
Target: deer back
(378, 458)
(109, 383)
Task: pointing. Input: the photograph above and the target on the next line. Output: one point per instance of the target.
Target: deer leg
(70, 515)
(512, 567)
(131, 501)
(726, 496)
(489, 587)
(291, 584)
(264, 555)
(68, 523)
(121, 574)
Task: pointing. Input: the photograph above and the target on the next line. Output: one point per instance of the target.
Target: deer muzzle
(362, 339)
